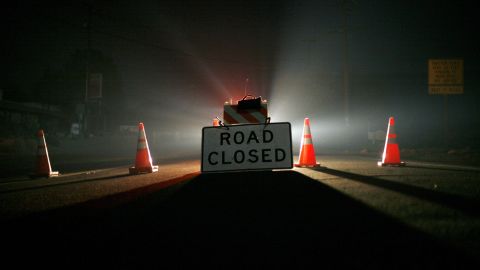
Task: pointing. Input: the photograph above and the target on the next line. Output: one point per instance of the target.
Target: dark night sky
(196, 54)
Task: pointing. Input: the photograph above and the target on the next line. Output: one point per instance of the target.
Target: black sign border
(262, 169)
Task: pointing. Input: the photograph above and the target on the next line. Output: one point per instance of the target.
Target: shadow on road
(234, 220)
(466, 205)
(443, 168)
(101, 178)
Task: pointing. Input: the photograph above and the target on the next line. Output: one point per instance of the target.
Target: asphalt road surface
(347, 213)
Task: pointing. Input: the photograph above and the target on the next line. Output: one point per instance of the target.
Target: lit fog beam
(177, 37)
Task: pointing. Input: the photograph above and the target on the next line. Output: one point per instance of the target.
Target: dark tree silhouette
(66, 88)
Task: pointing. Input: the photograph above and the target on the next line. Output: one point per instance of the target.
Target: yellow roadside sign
(445, 76)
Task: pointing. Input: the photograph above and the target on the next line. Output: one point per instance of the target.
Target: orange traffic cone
(43, 168)
(306, 158)
(391, 153)
(216, 122)
(143, 160)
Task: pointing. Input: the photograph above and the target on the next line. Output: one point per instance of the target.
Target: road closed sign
(247, 147)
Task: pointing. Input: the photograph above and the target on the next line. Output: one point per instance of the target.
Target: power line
(178, 52)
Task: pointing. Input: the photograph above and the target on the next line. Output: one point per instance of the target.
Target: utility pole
(87, 68)
(346, 105)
